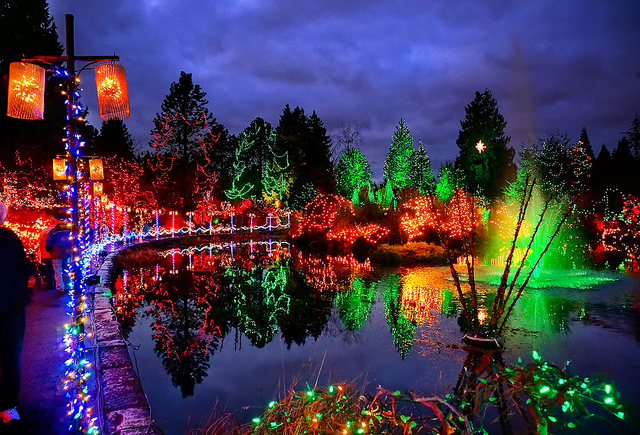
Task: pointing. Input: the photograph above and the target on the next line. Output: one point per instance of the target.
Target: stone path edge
(124, 407)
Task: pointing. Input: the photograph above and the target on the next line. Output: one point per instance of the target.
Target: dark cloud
(552, 66)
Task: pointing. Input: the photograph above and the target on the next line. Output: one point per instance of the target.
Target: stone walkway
(42, 405)
(42, 402)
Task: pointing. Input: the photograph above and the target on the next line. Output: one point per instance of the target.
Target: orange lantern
(97, 189)
(26, 91)
(59, 169)
(113, 99)
(95, 169)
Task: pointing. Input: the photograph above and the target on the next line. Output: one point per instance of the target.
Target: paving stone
(107, 331)
(121, 389)
(101, 303)
(128, 419)
(114, 356)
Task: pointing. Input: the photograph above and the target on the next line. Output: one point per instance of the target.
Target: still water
(235, 326)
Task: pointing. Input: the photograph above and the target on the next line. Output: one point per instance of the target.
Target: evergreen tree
(182, 122)
(484, 160)
(253, 155)
(198, 149)
(398, 162)
(633, 136)
(624, 169)
(551, 163)
(579, 165)
(114, 140)
(584, 138)
(27, 29)
(305, 141)
(601, 178)
(420, 172)
(353, 172)
(446, 183)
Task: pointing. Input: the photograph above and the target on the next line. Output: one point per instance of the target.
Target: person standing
(17, 278)
(45, 257)
(59, 246)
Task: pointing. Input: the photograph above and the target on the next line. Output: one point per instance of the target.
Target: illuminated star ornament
(480, 146)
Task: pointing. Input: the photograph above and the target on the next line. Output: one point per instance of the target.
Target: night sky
(552, 66)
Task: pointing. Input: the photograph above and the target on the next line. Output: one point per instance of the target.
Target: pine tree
(551, 163)
(182, 122)
(197, 147)
(114, 140)
(579, 165)
(584, 138)
(253, 157)
(420, 172)
(446, 182)
(484, 159)
(633, 136)
(353, 172)
(305, 141)
(397, 164)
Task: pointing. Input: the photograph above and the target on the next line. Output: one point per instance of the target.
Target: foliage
(125, 184)
(484, 159)
(398, 162)
(253, 158)
(420, 173)
(192, 151)
(304, 140)
(633, 136)
(446, 183)
(408, 254)
(114, 140)
(182, 122)
(353, 172)
(343, 409)
(543, 395)
(354, 304)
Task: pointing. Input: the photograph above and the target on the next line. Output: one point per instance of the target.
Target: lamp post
(26, 90)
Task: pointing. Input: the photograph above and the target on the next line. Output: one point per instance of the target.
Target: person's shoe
(9, 414)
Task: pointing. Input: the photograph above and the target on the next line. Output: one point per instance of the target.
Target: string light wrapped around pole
(26, 101)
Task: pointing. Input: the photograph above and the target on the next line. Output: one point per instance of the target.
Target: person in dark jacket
(59, 246)
(17, 278)
(45, 257)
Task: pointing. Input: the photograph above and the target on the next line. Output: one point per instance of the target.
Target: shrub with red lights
(620, 236)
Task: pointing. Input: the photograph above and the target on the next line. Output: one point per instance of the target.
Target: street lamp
(26, 101)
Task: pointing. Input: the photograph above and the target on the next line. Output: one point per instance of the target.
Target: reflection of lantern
(26, 91)
(113, 99)
(95, 169)
(59, 169)
(97, 189)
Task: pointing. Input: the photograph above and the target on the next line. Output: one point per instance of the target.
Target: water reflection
(267, 293)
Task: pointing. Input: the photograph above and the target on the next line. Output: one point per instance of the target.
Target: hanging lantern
(59, 169)
(26, 91)
(97, 189)
(95, 169)
(113, 99)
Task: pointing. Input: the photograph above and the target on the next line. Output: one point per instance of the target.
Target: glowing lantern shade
(113, 99)
(95, 169)
(97, 189)
(59, 169)
(26, 91)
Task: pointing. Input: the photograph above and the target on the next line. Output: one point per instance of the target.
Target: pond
(238, 325)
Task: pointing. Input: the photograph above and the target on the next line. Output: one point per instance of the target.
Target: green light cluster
(552, 394)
